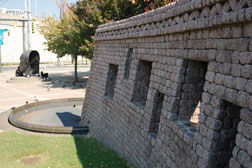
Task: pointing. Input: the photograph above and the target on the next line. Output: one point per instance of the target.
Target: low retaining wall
(172, 88)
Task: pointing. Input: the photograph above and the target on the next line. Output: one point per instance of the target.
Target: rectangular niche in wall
(142, 82)
(156, 113)
(127, 63)
(228, 133)
(111, 81)
(192, 89)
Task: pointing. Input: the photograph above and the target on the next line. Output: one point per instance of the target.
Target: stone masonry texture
(189, 58)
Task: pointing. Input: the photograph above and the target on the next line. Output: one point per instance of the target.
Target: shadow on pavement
(66, 80)
(68, 76)
(69, 119)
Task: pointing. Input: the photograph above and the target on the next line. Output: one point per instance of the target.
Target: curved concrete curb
(18, 112)
(22, 79)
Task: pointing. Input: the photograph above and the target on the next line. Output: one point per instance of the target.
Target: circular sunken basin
(51, 116)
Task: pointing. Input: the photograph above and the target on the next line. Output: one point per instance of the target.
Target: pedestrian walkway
(61, 86)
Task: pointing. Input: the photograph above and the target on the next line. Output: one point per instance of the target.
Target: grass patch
(24, 151)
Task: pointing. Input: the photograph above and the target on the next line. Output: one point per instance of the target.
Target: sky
(44, 7)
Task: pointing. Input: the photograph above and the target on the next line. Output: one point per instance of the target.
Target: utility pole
(61, 9)
(25, 29)
(29, 23)
(63, 6)
(61, 16)
(36, 8)
(27, 26)
(0, 59)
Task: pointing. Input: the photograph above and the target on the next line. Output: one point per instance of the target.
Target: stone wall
(190, 55)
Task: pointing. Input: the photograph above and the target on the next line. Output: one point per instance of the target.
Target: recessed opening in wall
(156, 113)
(192, 89)
(128, 63)
(111, 81)
(142, 82)
(226, 143)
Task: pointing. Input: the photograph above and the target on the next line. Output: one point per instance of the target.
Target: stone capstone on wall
(172, 88)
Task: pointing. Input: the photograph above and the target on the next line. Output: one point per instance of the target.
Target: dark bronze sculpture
(18, 72)
(29, 64)
(44, 75)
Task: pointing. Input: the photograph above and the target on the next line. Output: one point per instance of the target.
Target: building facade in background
(13, 39)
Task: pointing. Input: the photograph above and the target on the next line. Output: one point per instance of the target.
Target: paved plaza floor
(61, 86)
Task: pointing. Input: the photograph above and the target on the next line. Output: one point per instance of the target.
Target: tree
(53, 35)
(147, 5)
(91, 13)
(71, 36)
(88, 18)
(113, 10)
(74, 33)
(62, 37)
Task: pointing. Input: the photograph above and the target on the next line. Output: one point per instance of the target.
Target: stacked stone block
(215, 37)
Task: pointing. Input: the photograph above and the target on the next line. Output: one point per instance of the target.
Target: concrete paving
(61, 86)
